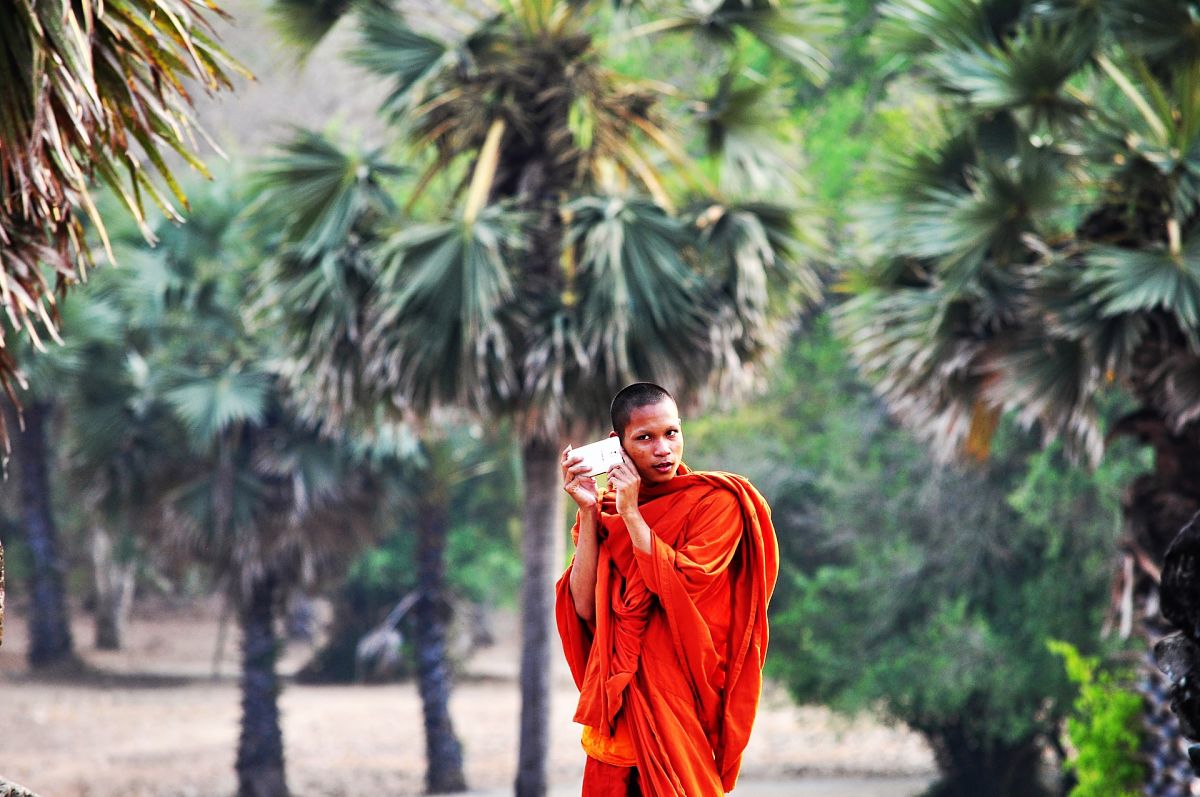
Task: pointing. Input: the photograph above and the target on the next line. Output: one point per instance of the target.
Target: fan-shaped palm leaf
(642, 307)
(1163, 33)
(1152, 129)
(319, 192)
(209, 405)
(1053, 382)
(392, 49)
(438, 332)
(304, 23)
(915, 343)
(922, 26)
(1027, 73)
(753, 245)
(962, 229)
(791, 29)
(1132, 280)
(738, 120)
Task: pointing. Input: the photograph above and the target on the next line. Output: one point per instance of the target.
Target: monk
(663, 610)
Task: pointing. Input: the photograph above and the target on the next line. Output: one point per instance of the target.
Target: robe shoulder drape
(681, 631)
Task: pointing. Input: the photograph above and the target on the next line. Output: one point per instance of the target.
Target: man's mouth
(664, 467)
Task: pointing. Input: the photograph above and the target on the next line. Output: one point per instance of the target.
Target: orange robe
(677, 649)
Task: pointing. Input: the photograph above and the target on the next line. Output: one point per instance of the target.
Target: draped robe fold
(680, 634)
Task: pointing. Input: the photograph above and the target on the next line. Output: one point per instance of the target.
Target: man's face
(654, 441)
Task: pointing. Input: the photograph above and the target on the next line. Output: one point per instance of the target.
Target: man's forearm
(583, 569)
(639, 530)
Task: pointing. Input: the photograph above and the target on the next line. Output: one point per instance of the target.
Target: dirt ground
(153, 721)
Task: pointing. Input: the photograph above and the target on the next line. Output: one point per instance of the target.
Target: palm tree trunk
(540, 552)
(260, 748)
(49, 620)
(443, 752)
(114, 582)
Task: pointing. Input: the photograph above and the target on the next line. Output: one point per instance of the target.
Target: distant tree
(557, 266)
(36, 441)
(922, 591)
(251, 490)
(1038, 250)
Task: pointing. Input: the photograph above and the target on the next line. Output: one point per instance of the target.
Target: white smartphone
(600, 455)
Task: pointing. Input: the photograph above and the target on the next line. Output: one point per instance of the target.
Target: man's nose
(661, 449)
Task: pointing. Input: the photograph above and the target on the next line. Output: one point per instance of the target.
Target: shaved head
(639, 394)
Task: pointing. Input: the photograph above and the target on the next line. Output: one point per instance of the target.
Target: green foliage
(910, 587)
(1102, 728)
(634, 252)
(1045, 217)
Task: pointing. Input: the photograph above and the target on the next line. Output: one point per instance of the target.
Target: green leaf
(392, 49)
(210, 405)
(1144, 280)
(641, 305)
(439, 322)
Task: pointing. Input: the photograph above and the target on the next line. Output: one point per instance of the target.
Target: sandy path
(154, 723)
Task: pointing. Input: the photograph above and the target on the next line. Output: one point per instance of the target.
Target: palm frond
(438, 329)
(318, 192)
(643, 309)
(1052, 382)
(919, 348)
(305, 23)
(89, 92)
(1027, 73)
(738, 120)
(1145, 280)
(1075, 311)
(394, 50)
(797, 31)
(320, 307)
(960, 229)
(1162, 33)
(209, 405)
(1150, 131)
(752, 247)
(922, 26)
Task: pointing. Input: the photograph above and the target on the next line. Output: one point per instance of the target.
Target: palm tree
(1040, 253)
(36, 441)
(270, 504)
(120, 443)
(261, 496)
(433, 485)
(565, 269)
(316, 289)
(91, 94)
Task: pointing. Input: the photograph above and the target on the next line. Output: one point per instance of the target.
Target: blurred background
(337, 280)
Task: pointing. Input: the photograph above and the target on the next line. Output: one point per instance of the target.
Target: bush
(1102, 728)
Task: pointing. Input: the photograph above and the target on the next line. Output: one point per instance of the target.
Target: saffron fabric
(609, 780)
(612, 747)
(680, 635)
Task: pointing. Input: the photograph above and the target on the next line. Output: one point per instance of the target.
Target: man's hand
(576, 482)
(627, 482)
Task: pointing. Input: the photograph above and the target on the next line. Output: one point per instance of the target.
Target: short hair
(631, 397)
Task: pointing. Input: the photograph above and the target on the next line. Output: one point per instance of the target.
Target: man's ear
(613, 434)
